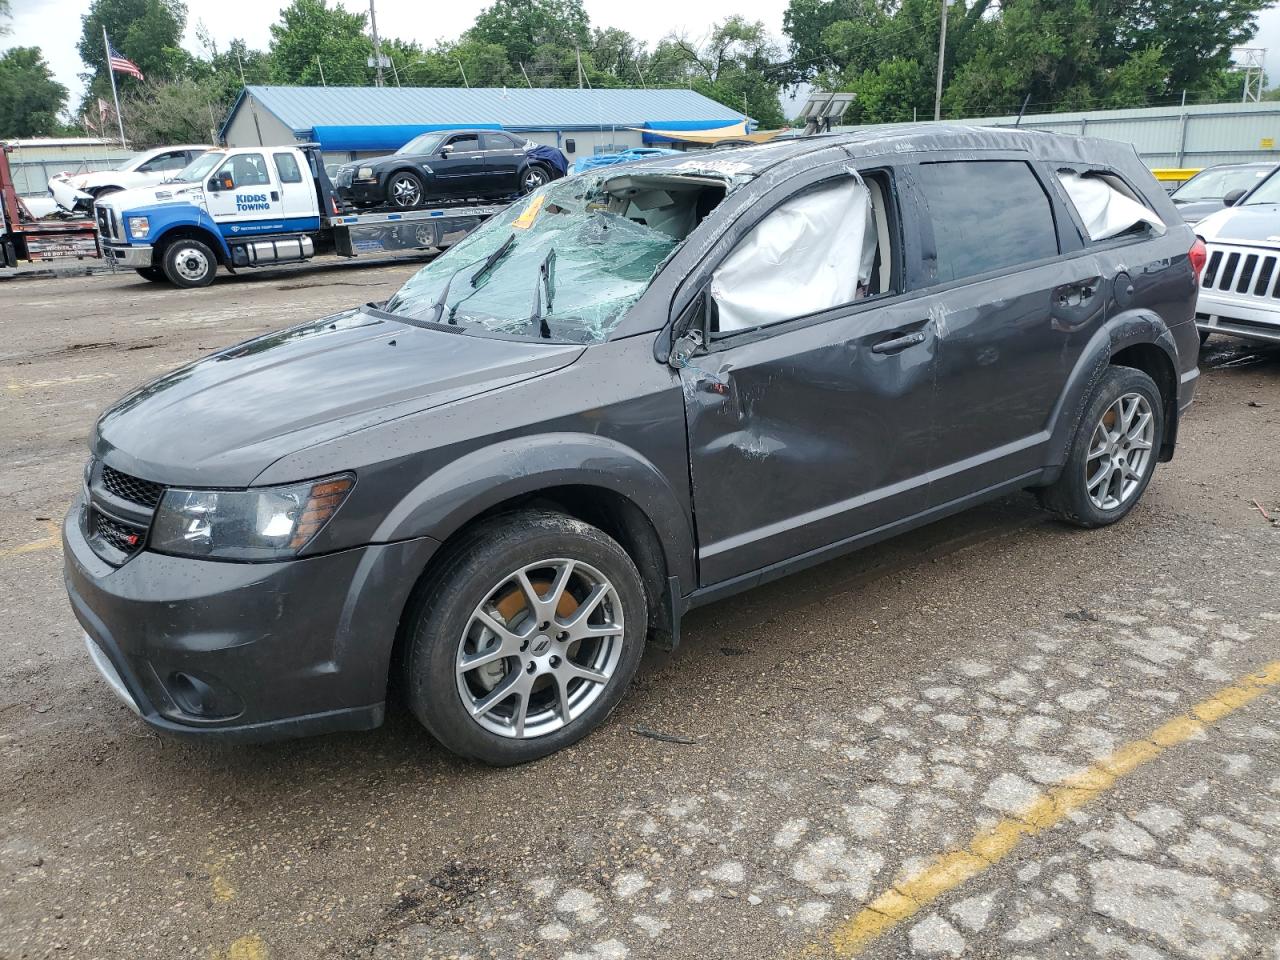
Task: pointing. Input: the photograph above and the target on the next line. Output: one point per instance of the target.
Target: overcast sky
(54, 25)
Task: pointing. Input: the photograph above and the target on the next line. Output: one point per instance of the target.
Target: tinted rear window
(987, 215)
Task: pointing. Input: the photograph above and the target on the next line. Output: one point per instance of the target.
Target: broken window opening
(823, 248)
(1108, 207)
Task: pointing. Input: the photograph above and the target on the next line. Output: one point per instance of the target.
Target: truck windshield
(422, 144)
(609, 242)
(198, 168)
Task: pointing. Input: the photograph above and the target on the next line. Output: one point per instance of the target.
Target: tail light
(1199, 256)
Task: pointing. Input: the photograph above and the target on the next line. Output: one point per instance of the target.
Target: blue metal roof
(372, 118)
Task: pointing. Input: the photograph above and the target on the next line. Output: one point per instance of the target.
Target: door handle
(899, 343)
(275, 195)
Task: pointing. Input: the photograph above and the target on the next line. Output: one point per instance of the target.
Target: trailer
(258, 206)
(24, 236)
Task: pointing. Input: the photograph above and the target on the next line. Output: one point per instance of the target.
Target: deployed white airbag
(1105, 211)
(810, 254)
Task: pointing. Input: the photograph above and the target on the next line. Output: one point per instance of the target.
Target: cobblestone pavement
(854, 730)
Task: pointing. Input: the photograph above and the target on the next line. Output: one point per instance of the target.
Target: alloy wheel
(540, 648)
(533, 179)
(405, 192)
(1120, 451)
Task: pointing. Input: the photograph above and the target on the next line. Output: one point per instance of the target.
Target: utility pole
(394, 72)
(1251, 61)
(640, 74)
(321, 66)
(464, 73)
(377, 47)
(526, 75)
(942, 55)
(578, 53)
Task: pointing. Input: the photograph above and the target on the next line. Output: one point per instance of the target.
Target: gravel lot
(849, 725)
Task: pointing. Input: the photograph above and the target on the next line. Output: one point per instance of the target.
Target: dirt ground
(877, 747)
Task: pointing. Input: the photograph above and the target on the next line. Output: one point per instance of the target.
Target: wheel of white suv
(189, 263)
(1114, 452)
(526, 637)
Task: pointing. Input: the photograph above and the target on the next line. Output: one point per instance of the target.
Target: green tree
(148, 32)
(484, 64)
(311, 31)
(175, 111)
(4, 12)
(735, 66)
(523, 27)
(30, 99)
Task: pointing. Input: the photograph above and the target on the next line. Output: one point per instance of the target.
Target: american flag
(122, 64)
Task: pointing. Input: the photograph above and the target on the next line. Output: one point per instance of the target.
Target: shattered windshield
(197, 168)
(572, 253)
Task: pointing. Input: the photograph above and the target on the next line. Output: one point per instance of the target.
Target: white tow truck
(255, 206)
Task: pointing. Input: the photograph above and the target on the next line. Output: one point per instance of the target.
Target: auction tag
(525, 220)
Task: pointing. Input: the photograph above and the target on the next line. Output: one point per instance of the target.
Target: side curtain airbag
(1104, 210)
(808, 255)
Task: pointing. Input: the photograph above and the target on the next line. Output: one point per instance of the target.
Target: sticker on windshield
(525, 220)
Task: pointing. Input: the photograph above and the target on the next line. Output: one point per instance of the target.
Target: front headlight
(139, 227)
(364, 173)
(271, 523)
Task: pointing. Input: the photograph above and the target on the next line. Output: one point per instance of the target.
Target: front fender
(461, 490)
(167, 217)
(1125, 329)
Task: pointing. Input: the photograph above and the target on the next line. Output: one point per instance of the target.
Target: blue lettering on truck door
(246, 202)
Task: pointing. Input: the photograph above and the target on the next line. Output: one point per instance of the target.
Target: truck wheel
(534, 178)
(189, 263)
(1114, 452)
(526, 637)
(154, 274)
(404, 189)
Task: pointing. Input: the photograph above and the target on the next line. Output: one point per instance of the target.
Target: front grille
(142, 492)
(1241, 270)
(120, 536)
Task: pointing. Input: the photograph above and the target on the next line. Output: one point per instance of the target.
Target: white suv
(1240, 286)
(80, 190)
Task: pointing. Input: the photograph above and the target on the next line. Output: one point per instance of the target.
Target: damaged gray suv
(633, 392)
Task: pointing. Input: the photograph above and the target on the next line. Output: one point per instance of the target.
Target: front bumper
(363, 193)
(1248, 317)
(245, 651)
(128, 255)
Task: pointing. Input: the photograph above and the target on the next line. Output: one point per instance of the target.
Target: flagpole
(106, 46)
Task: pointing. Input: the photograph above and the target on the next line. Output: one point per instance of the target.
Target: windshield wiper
(545, 278)
(437, 308)
(489, 264)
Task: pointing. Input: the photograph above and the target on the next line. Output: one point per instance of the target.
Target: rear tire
(475, 606)
(1113, 454)
(534, 177)
(154, 274)
(189, 263)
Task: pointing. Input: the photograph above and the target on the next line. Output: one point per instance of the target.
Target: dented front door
(809, 433)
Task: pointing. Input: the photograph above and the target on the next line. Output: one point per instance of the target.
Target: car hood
(1193, 211)
(1255, 223)
(125, 200)
(223, 420)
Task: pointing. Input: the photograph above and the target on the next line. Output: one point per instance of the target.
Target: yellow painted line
(50, 542)
(985, 849)
(250, 947)
(222, 889)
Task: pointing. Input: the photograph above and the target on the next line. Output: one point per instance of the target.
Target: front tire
(526, 637)
(405, 189)
(1113, 454)
(189, 263)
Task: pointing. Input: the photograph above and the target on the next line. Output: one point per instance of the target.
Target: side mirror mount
(446, 149)
(1234, 197)
(214, 185)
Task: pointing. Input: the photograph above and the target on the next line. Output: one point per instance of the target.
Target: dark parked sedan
(635, 391)
(448, 165)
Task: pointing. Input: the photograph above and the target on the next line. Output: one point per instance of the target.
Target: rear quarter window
(987, 215)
